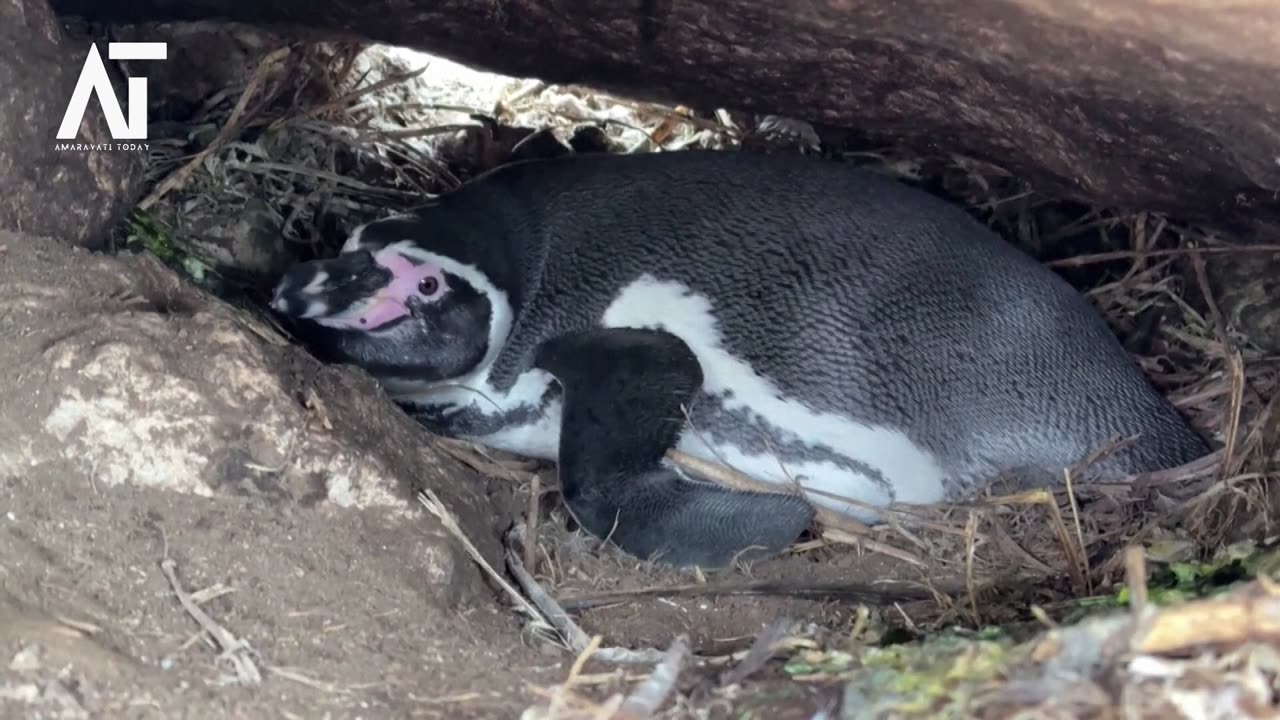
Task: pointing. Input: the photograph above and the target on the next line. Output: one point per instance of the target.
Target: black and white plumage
(818, 324)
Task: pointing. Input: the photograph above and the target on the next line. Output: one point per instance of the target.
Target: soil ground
(90, 626)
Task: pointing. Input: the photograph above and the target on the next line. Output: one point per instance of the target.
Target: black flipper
(622, 392)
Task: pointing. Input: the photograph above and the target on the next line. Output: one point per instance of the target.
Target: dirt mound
(143, 422)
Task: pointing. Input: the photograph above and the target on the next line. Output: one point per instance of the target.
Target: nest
(320, 138)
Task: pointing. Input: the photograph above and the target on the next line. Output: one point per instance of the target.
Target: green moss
(937, 676)
(1176, 577)
(934, 678)
(143, 233)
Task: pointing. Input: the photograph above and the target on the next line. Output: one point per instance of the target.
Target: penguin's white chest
(753, 427)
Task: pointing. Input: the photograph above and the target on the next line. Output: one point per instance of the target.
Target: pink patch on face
(390, 303)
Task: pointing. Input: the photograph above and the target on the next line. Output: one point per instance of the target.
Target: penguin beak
(332, 288)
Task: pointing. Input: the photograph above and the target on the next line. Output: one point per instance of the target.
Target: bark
(74, 195)
(1167, 105)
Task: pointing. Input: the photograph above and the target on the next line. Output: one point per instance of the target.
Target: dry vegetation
(309, 146)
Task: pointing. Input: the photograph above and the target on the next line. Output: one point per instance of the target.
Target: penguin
(825, 329)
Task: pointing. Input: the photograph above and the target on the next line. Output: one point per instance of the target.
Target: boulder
(78, 193)
(130, 377)
(1163, 106)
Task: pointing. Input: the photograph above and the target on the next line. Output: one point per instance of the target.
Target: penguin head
(397, 311)
(335, 292)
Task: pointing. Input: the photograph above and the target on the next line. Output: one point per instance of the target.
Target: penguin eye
(429, 286)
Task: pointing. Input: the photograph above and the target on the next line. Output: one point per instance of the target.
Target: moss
(143, 233)
(934, 678)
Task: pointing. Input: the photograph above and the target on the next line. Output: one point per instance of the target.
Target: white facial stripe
(353, 240)
(316, 283)
(316, 310)
(499, 322)
(310, 293)
(914, 473)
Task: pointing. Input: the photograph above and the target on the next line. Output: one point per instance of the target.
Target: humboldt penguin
(821, 328)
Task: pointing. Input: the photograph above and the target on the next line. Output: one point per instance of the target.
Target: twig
(734, 479)
(1075, 516)
(1202, 277)
(1235, 409)
(1235, 364)
(531, 521)
(1109, 447)
(555, 615)
(1004, 539)
(1187, 471)
(862, 592)
(862, 617)
(911, 624)
(346, 98)
(471, 456)
(1141, 244)
(1130, 254)
(760, 652)
(422, 132)
(1046, 499)
(229, 128)
(845, 538)
(297, 677)
(1136, 577)
(970, 549)
(1261, 421)
(263, 167)
(234, 650)
(433, 505)
(1251, 614)
(649, 695)
(557, 699)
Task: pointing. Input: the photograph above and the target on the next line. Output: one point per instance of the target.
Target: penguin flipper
(623, 392)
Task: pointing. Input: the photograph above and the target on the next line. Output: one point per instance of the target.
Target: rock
(1168, 107)
(130, 377)
(775, 133)
(1247, 288)
(591, 139)
(204, 58)
(76, 195)
(249, 241)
